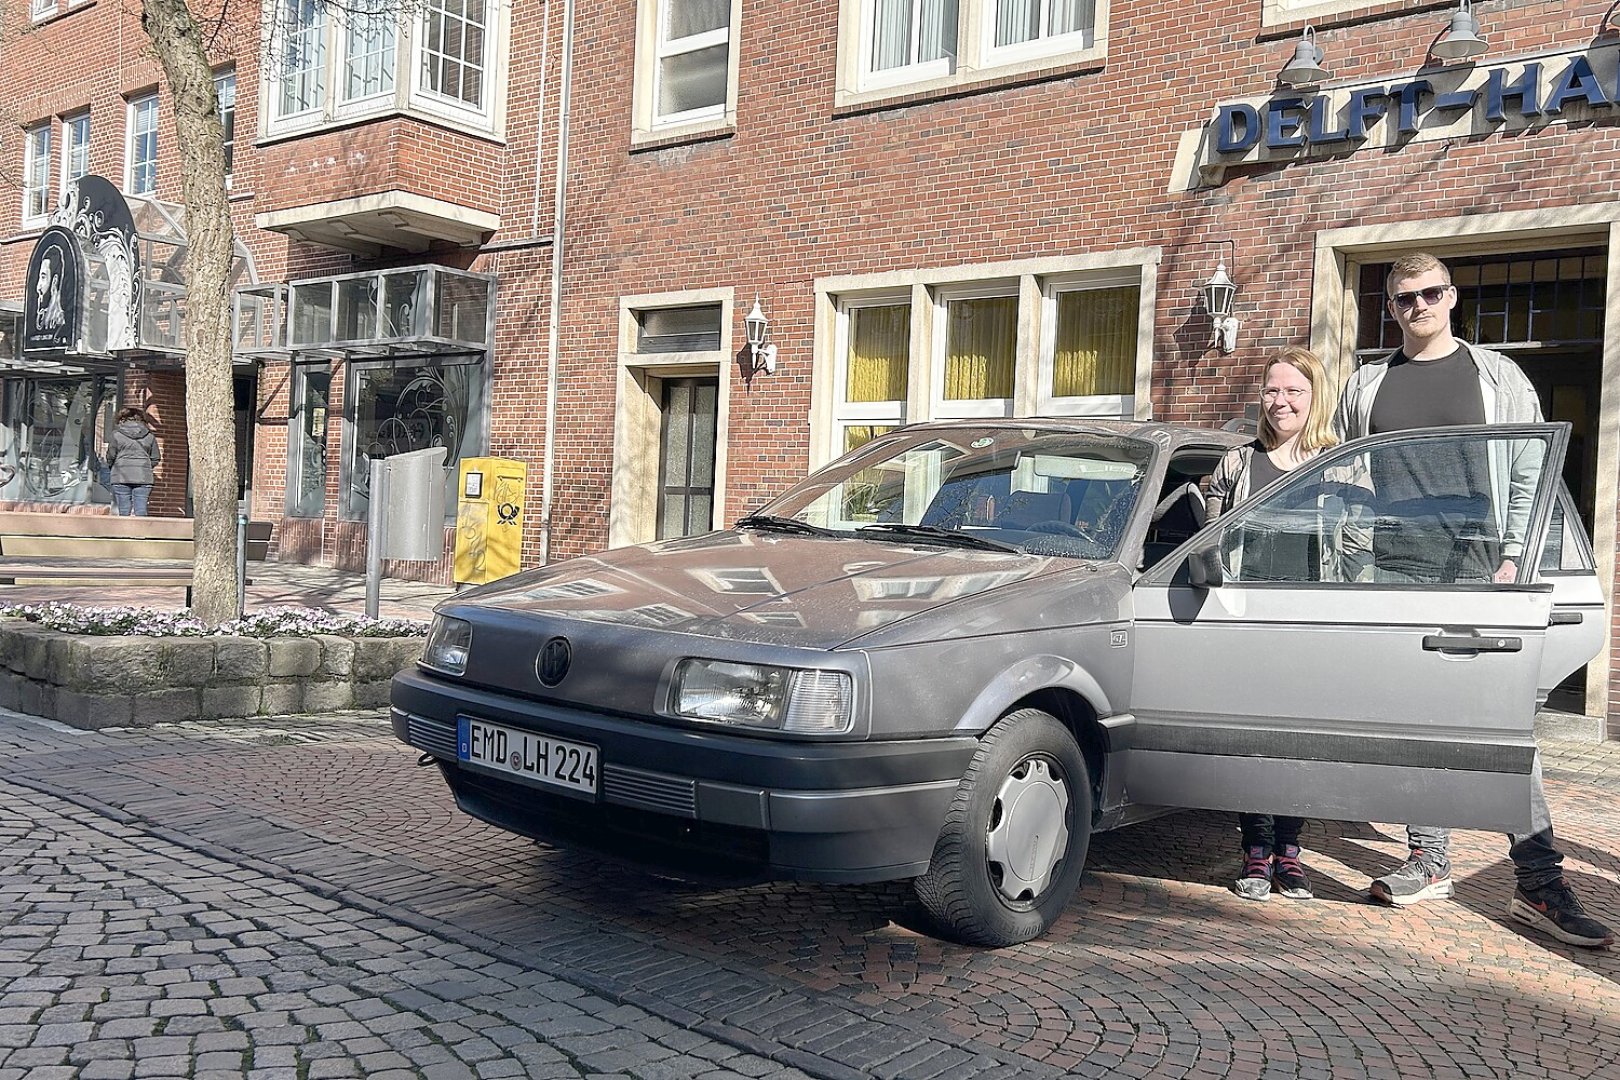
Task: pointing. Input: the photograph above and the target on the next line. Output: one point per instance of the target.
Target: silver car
(957, 652)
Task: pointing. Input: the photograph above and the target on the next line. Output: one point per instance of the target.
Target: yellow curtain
(1096, 342)
(879, 353)
(981, 348)
(861, 434)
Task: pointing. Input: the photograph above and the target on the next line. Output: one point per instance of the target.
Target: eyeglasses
(1431, 296)
(1291, 393)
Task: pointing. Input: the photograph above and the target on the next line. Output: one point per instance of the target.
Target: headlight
(761, 696)
(449, 641)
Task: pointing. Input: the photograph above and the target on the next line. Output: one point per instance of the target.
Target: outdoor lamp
(1219, 292)
(761, 354)
(1461, 41)
(1305, 69)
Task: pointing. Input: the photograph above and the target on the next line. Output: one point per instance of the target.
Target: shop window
(37, 173)
(306, 450)
(54, 433)
(225, 88)
(440, 58)
(392, 408)
(686, 66)
(890, 46)
(143, 145)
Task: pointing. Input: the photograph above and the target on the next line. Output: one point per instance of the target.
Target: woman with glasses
(1296, 424)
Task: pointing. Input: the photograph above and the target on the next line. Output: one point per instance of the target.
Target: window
(306, 450)
(1277, 12)
(438, 57)
(143, 148)
(391, 408)
(41, 9)
(680, 329)
(1069, 336)
(37, 173)
(55, 427)
(75, 147)
(686, 69)
(902, 46)
(225, 87)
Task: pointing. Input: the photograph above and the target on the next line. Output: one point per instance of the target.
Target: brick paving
(1157, 969)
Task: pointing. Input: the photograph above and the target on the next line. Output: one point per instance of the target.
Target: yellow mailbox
(489, 519)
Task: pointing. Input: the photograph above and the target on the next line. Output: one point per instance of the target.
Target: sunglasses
(1431, 296)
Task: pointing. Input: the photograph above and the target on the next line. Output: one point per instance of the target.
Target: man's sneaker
(1554, 910)
(1414, 882)
(1255, 884)
(1288, 874)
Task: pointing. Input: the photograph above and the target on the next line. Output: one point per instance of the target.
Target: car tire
(1010, 854)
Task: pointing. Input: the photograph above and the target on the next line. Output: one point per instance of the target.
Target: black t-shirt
(1286, 554)
(1435, 521)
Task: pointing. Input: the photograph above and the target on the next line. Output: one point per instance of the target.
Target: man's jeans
(1536, 861)
(131, 498)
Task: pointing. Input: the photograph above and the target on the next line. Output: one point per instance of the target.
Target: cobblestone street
(295, 898)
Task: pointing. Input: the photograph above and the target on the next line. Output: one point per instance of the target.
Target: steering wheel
(1061, 528)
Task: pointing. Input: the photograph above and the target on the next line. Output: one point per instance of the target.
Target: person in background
(132, 453)
(1435, 380)
(1295, 425)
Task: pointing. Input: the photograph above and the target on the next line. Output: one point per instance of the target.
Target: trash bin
(489, 519)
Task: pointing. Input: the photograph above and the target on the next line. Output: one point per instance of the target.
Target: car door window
(1441, 507)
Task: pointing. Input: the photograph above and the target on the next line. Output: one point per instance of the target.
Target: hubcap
(1029, 830)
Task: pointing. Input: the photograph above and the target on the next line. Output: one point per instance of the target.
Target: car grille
(645, 790)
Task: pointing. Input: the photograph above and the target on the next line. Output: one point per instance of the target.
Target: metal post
(376, 515)
(241, 563)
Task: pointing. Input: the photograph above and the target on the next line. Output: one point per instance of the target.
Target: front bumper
(703, 804)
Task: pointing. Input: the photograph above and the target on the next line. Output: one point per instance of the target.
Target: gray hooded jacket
(131, 453)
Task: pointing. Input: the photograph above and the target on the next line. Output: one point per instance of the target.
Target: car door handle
(1470, 643)
(1566, 618)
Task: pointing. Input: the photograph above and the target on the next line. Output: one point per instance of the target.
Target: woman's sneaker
(1255, 884)
(1553, 909)
(1415, 881)
(1288, 874)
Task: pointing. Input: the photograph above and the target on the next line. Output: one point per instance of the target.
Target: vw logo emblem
(552, 663)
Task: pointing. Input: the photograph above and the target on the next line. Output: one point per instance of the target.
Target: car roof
(1172, 436)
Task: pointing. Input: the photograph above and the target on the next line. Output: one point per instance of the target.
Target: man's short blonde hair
(1414, 265)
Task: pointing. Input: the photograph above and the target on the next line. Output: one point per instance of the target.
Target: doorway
(686, 456)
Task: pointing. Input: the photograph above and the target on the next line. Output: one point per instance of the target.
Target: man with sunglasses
(1435, 380)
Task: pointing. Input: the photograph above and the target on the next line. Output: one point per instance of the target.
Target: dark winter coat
(131, 453)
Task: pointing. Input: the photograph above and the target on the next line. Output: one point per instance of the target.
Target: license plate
(527, 754)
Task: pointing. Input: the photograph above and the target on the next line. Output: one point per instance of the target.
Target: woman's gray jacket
(131, 453)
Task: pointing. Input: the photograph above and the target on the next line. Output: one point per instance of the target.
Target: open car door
(1339, 646)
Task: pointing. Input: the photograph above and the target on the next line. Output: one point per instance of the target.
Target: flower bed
(115, 667)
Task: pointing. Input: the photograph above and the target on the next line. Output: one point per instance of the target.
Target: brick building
(942, 207)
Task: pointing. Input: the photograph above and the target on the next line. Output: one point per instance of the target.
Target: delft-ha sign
(1443, 103)
(91, 239)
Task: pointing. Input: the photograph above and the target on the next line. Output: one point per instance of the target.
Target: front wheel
(1014, 842)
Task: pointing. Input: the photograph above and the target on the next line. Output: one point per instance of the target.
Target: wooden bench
(103, 549)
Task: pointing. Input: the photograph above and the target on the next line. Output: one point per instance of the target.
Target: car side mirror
(1204, 569)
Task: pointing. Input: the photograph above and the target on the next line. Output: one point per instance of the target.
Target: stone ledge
(96, 682)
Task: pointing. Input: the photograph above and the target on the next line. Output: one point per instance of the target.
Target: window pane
(1096, 342)
(54, 439)
(688, 17)
(694, 80)
(225, 87)
(369, 55)
(1017, 20)
(143, 146)
(879, 353)
(37, 184)
(312, 313)
(681, 329)
(453, 53)
(981, 346)
(403, 408)
(77, 163)
(301, 58)
(1067, 16)
(306, 494)
(912, 32)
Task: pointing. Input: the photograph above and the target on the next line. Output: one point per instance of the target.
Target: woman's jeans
(131, 499)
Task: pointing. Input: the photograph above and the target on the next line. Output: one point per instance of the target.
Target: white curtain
(892, 26)
(1017, 20)
(688, 17)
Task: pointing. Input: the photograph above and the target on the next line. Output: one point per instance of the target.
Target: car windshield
(1032, 490)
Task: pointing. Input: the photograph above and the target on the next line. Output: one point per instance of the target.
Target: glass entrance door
(686, 456)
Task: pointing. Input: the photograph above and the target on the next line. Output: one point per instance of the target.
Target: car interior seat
(1179, 514)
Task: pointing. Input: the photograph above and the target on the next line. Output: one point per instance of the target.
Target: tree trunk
(210, 407)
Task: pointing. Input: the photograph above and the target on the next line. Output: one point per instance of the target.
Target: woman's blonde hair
(1318, 433)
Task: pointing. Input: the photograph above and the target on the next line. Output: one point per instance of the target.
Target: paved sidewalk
(1156, 971)
(274, 584)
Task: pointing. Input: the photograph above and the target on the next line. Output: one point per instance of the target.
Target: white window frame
(939, 408)
(222, 78)
(1112, 406)
(651, 50)
(863, 413)
(40, 10)
(349, 23)
(1283, 12)
(72, 147)
(316, 31)
(37, 164)
(978, 59)
(135, 108)
(410, 94)
(1036, 282)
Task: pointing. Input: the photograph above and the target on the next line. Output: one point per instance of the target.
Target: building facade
(942, 208)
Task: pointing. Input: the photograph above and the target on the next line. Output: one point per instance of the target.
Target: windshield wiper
(944, 536)
(783, 524)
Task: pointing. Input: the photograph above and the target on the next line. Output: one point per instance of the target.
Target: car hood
(771, 588)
